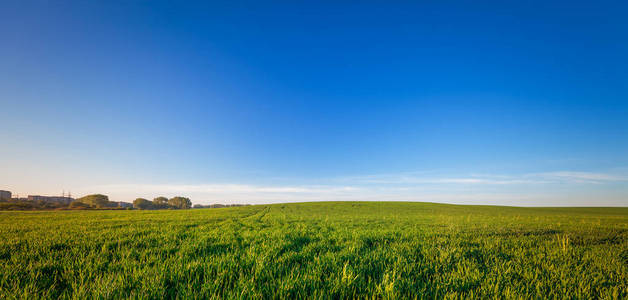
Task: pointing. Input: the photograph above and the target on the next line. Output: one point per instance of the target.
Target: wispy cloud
(225, 188)
(490, 179)
(523, 189)
(580, 177)
(230, 193)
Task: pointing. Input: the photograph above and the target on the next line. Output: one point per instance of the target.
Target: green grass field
(317, 250)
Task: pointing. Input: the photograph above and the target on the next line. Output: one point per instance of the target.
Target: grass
(317, 250)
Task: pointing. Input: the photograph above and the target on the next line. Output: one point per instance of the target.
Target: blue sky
(235, 102)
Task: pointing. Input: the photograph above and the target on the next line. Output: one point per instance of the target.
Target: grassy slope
(338, 249)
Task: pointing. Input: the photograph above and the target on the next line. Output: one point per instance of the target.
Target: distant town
(95, 201)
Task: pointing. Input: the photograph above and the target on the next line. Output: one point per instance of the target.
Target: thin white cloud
(524, 190)
(490, 179)
(228, 193)
(581, 177)
(402, 179)
(225, 188)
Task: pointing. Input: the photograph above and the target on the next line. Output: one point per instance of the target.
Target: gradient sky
(522, 103)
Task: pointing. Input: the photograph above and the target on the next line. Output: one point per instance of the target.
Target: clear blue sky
(520, 103)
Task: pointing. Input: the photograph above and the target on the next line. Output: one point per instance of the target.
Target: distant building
(5, 195)
(51, 199)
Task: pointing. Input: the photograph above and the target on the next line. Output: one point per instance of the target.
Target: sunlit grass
(317, 250)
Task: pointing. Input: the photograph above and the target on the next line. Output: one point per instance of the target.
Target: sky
(519, 103)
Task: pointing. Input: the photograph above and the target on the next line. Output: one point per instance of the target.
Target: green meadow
(325, 250)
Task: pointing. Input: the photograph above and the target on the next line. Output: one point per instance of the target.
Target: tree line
(163, 203)
(102, 201)
(97, 201)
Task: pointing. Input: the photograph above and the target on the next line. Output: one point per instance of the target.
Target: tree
(95, 200)
(142, 203)
(160, 202)
(180, 202)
